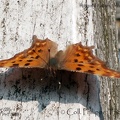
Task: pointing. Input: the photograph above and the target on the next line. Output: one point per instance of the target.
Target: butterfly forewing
(35, 56)
(81, 59)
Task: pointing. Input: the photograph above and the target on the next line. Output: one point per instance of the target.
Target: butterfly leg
(47, 74)
(44, 78)
(59, 83)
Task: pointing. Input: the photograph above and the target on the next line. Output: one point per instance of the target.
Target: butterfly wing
(80, 58)
(35, 56)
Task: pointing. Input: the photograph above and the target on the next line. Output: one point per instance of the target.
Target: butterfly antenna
(49, 58)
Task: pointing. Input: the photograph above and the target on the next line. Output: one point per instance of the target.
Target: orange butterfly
(44, 54)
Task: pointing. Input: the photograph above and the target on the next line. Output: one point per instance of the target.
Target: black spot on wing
(37, 57)
(20, 60)
(48, 50)
(78, 68)
(15, 65)
(27, 64)
(75, 60)
(98, 69)
(77, 54)
(90, 71)
(29, 60)
(33, 50)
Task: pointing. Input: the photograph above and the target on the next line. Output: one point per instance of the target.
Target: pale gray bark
(23, 95)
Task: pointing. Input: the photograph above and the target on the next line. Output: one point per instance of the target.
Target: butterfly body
(53, 63)
(44, 54)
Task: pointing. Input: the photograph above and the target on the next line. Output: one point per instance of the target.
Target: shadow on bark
(26, 85)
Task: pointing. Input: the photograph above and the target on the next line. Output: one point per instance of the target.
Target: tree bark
(107, 49)
(23, 94)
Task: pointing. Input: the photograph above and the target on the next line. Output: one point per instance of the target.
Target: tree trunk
(107, 43)
(23, 95)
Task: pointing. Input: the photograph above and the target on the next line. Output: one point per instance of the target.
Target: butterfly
(44, 54)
